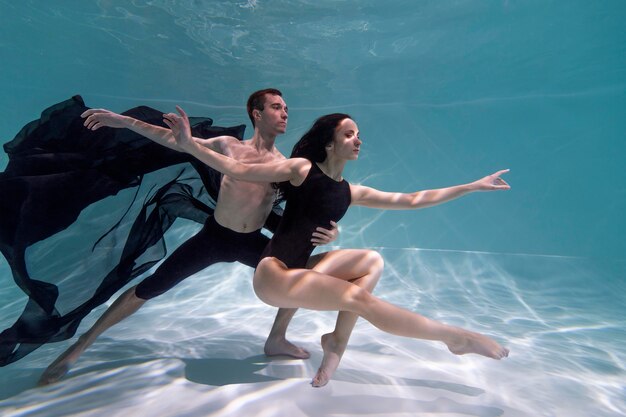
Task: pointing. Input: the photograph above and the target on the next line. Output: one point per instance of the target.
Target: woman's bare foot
(279, 346)
(61, 366)
(333, 351)
(469, 342)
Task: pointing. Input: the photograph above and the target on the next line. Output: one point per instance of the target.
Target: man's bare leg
(127, 304)
(367, 266)
(277, 343)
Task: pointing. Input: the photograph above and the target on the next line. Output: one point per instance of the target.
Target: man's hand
(179, 124)
(97, 118)
(492, 182)
(324, 236)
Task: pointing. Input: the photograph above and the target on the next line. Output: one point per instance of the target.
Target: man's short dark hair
(256, 101)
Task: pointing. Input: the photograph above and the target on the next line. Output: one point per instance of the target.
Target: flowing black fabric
(94, 205)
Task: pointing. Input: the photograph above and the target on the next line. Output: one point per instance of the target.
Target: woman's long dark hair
(312, 145)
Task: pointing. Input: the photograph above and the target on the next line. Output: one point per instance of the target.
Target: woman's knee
(375, 261)
(376, 264)
(262, 282)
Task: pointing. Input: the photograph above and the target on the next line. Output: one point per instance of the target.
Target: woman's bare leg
(277, 344)
(360, 267)
(291, 288)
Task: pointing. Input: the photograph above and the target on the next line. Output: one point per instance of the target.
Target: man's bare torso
(244, 206)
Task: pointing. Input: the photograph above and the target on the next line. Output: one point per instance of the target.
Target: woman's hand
(492, 182)
(179, 124)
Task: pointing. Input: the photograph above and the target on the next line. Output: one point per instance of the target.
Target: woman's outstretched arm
(276, 171)
(371, 197)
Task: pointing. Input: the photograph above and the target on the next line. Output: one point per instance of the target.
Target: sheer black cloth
(84, 212)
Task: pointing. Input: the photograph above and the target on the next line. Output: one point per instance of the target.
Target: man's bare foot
(275, 346)
(470, 342)
(61, 366)
(333, 351)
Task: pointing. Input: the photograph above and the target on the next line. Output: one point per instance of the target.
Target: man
(231, 234)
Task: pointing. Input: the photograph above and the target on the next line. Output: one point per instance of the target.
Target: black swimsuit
(317, 201)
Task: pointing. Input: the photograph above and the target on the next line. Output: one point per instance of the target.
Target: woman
(316, 193)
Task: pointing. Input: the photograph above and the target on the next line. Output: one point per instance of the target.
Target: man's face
(273, 117)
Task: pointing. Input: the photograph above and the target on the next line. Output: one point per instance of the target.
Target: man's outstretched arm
(97, 118)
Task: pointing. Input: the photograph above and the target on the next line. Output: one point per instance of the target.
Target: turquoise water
(443, 92)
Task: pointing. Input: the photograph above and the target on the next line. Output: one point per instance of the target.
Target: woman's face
(346, 143)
